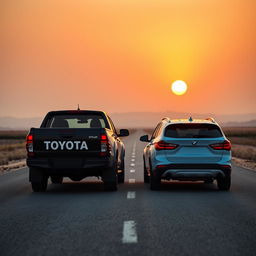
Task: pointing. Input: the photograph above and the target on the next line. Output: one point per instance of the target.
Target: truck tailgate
(60, 142)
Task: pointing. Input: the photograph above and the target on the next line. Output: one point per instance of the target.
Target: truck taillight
(29, 145)
(162, 145)
(104, 145)
(225, 145)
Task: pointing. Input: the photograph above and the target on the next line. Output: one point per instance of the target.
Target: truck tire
(109, 177)
(56, 179)
(146, 177)
(121, 174)
(38, 179)
(224, 183)
(39, 186)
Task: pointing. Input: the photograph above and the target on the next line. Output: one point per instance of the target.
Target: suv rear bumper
(192, 171)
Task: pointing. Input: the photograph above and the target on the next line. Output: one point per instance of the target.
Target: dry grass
(10, 152)
(248, 164)
(12, 135)
(243, 141)
(244, 132)
(241, 135)
(244, 152)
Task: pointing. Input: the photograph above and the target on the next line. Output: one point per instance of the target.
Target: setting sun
(179, 87)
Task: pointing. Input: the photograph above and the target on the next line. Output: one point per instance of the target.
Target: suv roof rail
(166, 118)
(210, 119)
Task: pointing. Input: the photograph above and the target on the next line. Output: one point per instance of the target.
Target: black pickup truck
(75, 144)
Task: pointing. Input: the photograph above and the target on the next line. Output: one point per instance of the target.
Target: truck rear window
(193, 131)
(76, 121)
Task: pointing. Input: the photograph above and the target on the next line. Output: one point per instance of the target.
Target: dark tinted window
(193, 131)
(76, 121)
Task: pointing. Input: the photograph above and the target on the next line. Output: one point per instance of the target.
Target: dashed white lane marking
(131, 195)
(132, 164)
(132, 160)
(131, 180)
(129, 232)
(132, 170)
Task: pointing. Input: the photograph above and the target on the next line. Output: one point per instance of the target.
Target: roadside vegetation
(12, 146)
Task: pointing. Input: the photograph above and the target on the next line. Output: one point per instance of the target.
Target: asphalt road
(82, 219)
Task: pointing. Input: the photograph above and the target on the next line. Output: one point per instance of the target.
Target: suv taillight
(104, 145)
(29, 145)
(225, 145)
(162, 145)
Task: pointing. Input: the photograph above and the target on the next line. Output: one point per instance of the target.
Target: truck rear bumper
(69, 163)
(74, 168)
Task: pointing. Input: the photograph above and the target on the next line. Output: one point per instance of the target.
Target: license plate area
(68, 163)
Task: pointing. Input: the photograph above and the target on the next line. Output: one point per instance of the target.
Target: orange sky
(122, 55)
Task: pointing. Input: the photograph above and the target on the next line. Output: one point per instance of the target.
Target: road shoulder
(247, 164)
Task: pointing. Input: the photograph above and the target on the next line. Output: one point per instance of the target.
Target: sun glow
(179, 87)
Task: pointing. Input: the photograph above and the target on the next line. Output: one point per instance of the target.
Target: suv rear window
(76, 121)
(193, 131)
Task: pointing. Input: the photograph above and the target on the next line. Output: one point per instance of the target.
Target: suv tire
(224, 183)
(121, 175)
(155, 183)
(146, 177)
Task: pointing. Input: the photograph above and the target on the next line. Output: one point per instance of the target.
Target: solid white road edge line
(129, 232)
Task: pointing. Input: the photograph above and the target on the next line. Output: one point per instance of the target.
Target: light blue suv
(187, 149)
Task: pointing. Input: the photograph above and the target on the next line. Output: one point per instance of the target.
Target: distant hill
(13, 123)
(148, 119)
(137, 119)
(251, 123)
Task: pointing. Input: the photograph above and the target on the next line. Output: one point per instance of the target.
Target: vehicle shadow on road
(76, 187)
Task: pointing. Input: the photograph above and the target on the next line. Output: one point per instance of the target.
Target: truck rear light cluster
(104, 145)
(162, 145)
(29, 145)
(225, 145)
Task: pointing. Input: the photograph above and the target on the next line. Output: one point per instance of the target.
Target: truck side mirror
(144, 138)
(123, 133)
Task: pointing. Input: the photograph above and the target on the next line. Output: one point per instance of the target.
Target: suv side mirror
(144, 138)
(123, 133)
